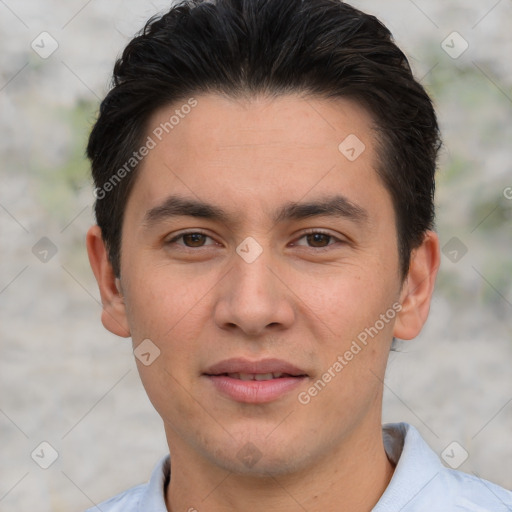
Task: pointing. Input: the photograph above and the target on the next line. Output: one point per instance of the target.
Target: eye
(191, 239)
(318, 239)
(195, 239)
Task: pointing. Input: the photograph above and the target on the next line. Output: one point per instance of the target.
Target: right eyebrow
(175, 206)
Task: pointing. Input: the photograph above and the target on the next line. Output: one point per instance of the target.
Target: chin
(262, 468)
(256, 456)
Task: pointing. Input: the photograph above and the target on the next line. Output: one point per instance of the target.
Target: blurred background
(67, 382)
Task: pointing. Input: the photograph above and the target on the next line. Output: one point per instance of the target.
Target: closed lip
(246, 366)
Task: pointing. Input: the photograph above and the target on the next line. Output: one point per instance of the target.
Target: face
(260, 258)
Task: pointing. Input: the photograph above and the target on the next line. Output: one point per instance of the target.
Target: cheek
(170, 392)
(163, 302)
(349, 300)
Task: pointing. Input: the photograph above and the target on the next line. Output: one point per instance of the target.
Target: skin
(303, 300)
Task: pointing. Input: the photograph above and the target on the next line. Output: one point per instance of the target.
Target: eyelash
(309, 232)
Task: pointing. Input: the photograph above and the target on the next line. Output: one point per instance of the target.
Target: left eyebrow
(331, 206)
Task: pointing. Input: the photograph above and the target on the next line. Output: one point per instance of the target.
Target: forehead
(259, 151)
(226, 125)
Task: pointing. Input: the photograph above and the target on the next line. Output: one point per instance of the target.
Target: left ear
(418, 288)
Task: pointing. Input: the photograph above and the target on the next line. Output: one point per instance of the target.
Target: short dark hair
(243, 48)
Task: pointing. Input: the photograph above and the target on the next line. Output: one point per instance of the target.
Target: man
(264, 175)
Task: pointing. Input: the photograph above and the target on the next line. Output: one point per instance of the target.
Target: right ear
(113, 315)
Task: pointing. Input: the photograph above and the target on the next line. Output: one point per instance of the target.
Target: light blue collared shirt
(420, 483)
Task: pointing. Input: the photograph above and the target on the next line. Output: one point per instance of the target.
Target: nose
(253, 297)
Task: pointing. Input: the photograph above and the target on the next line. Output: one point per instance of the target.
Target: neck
(353, 476)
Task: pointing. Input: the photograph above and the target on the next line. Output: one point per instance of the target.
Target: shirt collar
(153, 499)
(416, 465)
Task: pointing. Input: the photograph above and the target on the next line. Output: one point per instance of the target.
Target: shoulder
(127, 501)
(142, 498)
(422, 483)
(473, 494)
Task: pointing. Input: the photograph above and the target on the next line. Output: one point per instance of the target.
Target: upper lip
(241, 365)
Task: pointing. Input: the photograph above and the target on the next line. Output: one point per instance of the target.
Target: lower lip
(255, 391)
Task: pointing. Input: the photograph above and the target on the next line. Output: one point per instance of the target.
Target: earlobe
(113, 315)
(418, 288)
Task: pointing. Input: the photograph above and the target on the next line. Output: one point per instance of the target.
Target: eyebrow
(331, 206)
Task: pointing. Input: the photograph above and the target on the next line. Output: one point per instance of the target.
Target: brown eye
(193, 239)
(318, 239)
(315, 239)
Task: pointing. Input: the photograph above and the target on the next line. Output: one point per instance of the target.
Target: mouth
(254, 382)
(258, 376)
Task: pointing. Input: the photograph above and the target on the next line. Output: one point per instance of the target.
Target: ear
(418, 288)
(113, 315)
